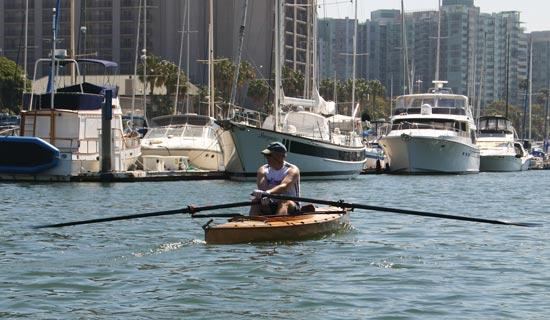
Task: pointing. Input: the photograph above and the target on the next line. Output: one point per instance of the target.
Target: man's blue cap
(274, 147)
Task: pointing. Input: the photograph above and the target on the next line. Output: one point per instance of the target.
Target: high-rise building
(108, 29)
(474, 48)
(541, 60)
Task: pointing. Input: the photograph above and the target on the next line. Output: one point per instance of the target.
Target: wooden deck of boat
(278, 228)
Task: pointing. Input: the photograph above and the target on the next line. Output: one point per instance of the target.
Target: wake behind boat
(432, 133)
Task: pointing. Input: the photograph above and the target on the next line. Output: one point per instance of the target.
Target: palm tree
(224, 73)
(153, 72)
(376, 89)
(293, 82)
(258, 91)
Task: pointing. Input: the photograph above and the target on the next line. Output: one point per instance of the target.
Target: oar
(190, 209)
(342, 204)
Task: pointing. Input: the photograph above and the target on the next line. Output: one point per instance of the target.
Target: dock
(142, 176)
(125, 176)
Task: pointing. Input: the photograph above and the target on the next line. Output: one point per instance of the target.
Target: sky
(533, 13)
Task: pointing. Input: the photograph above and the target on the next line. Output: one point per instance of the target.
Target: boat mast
(438, 41)
(279, 19)
(72, 40)
(134, 80)
(481, 79)
(315, 70)
(211, 60)
(26, 43)
(353, 59)
(404, 48)
(307, 71)
(54, 39)
(187, 62)
(530, 84)
(144, 57)
(507, 63)
(179, 58)
(238, 57)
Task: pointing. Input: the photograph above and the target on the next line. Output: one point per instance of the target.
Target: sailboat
(64, 131)
(188, 135)
(433, 132)
(319, 152)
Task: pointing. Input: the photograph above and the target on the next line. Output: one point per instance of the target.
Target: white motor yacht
(187, 135)
(432, 133)
(499, 148)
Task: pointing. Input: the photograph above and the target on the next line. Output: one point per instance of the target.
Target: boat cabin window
(154, 133)
(495, 125)
(440, 104)
(437, 124)
(193, 131)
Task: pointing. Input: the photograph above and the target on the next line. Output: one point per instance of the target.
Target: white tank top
(275, 177)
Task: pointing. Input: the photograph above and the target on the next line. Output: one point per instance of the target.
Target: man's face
(275, 157)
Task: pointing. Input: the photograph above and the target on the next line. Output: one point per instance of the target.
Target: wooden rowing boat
(278, 228)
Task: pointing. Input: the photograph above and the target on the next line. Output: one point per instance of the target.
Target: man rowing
(277, 176)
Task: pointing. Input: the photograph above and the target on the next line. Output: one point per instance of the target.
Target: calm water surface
(389, 266)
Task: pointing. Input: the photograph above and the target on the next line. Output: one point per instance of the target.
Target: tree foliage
(293, 82)
(258, 91)
(368, 93)
(162, 73)
(12, 82)
(224, 74)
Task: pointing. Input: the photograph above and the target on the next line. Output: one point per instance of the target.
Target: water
(389, 266)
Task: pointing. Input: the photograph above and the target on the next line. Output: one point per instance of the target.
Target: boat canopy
(85, 96)
(495, 124)
(307, 124)
(180, 120)
(105, 63)
(439, 104)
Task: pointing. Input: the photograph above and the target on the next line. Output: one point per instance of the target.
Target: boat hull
(278, 228)
(428, 155)
(27, 155)
(206, 159)
(242, 145)
(503, 163)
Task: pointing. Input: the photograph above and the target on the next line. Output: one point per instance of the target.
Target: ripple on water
(388, 266)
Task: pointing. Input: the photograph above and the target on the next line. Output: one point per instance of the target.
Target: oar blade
(190, 209)
(343, 204)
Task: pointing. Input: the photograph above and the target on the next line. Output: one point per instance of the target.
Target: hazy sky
(534, 13)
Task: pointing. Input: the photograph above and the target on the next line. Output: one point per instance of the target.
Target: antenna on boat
(51, 79)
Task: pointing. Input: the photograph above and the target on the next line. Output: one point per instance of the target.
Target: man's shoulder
(292, 166)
